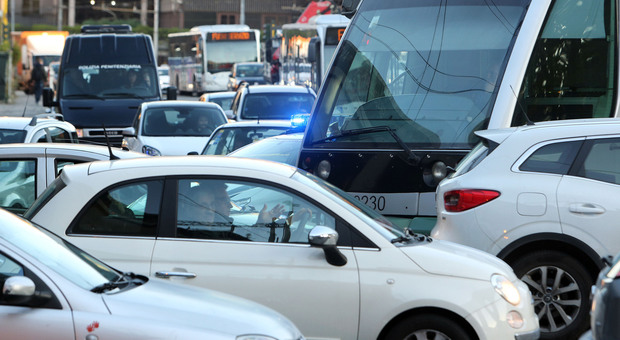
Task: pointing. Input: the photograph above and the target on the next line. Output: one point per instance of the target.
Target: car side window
(245, 211)
(61, 163)
(59, 135)
(601, 160)
(17, 184)
(555, 158)
(126, 210)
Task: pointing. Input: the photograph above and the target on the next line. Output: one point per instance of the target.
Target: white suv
(544, 199)
(46, 128)
(284, 238)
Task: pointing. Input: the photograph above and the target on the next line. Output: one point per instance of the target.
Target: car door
(588, 198)
(250, 240)
(32, 320)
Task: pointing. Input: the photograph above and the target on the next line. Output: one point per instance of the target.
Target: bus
(308, 48)
(413, 80)
(200, 60)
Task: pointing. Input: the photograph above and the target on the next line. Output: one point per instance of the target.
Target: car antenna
(107, 141)
(25, 106)
(527, 119)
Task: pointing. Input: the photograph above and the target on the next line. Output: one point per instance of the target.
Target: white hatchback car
(277, 235)
(42, 128)
(172, 127)
(54, 290)
(27, 169)
(544, 199)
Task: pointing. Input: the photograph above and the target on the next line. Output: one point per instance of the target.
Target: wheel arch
(558, 242)
(426, 311)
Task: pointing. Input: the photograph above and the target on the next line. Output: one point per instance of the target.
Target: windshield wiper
(408, 235)
(83, 95)
(412, 157)
(123, 281)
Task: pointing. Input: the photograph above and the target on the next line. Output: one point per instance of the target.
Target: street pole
(156, 30)
(59, 26)
(242, 12)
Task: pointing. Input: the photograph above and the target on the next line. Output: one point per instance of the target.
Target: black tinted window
(552, 158)
(601, 160)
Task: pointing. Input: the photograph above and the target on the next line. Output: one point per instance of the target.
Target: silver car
(53, 290)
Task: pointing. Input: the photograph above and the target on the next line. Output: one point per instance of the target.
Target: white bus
(307, 49)
(200, 60)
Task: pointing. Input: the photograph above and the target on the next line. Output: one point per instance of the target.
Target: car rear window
(276, 105)
(472, 159)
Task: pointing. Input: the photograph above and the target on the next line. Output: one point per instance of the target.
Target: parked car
(27, 169)
(232, 136)
(172, 127)
(543, 198)
(250, 72)
(223, 99)
(281, 148)
(605, 309)
(265, 102)
(284, 238)
(53, 290)
(42, 128)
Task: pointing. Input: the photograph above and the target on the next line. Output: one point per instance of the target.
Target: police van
(106, 72)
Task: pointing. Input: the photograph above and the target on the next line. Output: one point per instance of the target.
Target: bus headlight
(324, 169)
(506, 289)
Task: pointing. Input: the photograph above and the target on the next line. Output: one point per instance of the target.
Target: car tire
(427, 326)
(559, 299)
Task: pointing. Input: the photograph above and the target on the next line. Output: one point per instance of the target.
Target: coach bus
(413, 80)
(307, 48)
(200, 60)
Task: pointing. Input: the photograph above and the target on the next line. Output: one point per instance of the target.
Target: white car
(164, 77)
(232, 136)
(223, 99)
(172, 127)
(54, 290)
(266, 102)
(544, 199)
(279, 236)
(42, 128)
(27, 169)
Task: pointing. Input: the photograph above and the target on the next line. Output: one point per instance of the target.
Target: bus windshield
(223, 54)
(427, 72)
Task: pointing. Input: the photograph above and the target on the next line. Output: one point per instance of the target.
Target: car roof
(99, 149)
(279, 89)
(185, 163)
(179, 103)
(21, 123)
(555, 129)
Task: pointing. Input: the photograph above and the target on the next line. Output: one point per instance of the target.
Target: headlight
(151, 151)
(506, 289)
(255, 337)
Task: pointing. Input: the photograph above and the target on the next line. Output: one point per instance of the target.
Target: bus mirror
(48, 97)
(314, 48)
(349, 7)
(171, 93)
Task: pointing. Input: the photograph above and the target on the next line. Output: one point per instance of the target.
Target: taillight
(461, 200)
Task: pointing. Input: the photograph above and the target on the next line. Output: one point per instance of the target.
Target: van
(106, 72)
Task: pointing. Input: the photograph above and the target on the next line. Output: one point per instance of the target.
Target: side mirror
(129, 132)
(192, 153)
(18, 289)
(229, 114)
(314, 48)
(327, 238)
(48, 97)
(349, 7)
(171, 93)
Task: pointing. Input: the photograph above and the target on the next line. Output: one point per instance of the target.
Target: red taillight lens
(461, 200)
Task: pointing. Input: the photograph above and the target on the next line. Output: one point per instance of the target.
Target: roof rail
(124, 28)
(57, 116)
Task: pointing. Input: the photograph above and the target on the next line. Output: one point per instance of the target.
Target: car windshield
(276, 105)
(227, 140)
(182, 121)
(12, 136)
(283, 150)
(109, 81)
(249, 71)
(59, 255)
(162, 71)
(382, 225)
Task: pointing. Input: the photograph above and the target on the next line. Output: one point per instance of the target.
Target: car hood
(457, 260)
(90, 113)
(196, 308)
(177, 145)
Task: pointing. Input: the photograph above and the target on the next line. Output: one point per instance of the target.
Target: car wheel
(560, 288)
(423, 327)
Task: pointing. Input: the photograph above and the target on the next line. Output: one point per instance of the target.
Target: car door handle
(165, 274)
(586, 208)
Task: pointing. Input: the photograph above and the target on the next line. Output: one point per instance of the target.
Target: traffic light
(5, 33)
